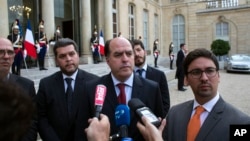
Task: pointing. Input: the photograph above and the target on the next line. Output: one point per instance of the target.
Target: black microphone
(140, 110)
(100, 94)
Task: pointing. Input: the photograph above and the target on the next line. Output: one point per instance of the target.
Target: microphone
(122, 120)
(100, 94)
(140, 110)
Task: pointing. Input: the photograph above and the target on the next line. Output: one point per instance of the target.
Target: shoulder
(20, 79)
(87, 75)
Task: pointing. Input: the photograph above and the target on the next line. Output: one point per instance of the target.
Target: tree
(220, 47)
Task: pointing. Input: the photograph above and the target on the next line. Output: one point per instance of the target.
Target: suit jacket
(146, 90)
(159, 77)
(28, 87)
(179, 64)
(215, 127)
(54, 123)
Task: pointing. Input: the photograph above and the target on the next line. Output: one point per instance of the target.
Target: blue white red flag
(29, 42)
(101, 43)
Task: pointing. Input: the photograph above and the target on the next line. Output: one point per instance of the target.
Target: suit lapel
(149, 74)
(59, 90)
(112, 97)
(213, 118)
(137, 88)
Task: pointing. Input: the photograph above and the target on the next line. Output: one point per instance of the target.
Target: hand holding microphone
(140, 110)
(100, 94)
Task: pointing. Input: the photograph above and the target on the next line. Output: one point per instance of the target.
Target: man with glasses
(7, 55)
(208, 117)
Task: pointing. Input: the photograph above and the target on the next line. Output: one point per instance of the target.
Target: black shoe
(182, 89)
(43, 69)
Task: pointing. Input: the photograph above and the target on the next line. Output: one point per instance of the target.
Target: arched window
(222, 31)
(178, 31)
(131, 19)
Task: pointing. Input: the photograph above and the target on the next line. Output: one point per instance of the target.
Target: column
(108, 30)
(49, 28)
(4, 22)
(85, 32)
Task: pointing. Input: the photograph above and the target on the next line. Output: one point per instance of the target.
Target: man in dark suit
(201, 73)
(179, 65)
(120, 58)
(6, 59)
(57, 99)
(146, 71)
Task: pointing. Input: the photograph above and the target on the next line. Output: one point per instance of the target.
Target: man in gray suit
(7, 55)
(201, 73)
(57, 100)
(148, 72)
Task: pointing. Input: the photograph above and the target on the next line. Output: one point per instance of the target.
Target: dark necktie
(122, 95)
(139, 71)
(69, 95)
(194, 124)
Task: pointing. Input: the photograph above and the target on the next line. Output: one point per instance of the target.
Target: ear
(186, 81)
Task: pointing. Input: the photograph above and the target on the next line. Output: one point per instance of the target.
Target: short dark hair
(182, 45)
(106, 47)
(197, 53)
(138, 42)
(17, 110)
(64, 42)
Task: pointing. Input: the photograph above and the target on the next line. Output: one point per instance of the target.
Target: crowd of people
(64, 107)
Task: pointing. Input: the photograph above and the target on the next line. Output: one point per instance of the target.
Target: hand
(98, 130)
(149, 131)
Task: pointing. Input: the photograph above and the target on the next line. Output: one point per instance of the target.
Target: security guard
(41, 45)
(17, 42)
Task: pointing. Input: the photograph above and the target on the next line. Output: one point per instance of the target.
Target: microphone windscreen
(135, 104)
(122, 115)
(100, 94)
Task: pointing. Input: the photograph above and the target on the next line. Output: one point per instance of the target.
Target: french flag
(101, 44)
(29, 42)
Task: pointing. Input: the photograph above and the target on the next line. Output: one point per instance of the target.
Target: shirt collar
(73, 76)
(144, 67)
(208, 105)
(128, 82)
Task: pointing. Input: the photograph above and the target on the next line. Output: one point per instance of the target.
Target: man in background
(145, 71)
(6, 60)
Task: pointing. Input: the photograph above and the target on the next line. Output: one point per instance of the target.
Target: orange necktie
(122, 95)
(194, 124)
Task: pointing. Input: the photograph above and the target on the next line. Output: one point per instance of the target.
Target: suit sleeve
(31, 134)
(164, 93)
(46, 132)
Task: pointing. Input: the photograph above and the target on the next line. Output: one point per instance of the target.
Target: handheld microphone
(122, 120)
(100, 94)
(140, 110)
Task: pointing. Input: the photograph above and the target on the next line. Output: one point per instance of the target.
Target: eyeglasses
(197, 73)
(9, 52)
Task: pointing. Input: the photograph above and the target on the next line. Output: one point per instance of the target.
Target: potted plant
(220, 48)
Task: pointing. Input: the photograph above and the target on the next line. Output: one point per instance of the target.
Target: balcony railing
(221, 4)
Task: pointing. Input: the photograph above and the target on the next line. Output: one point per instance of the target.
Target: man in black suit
(146, 71)
(179, 65)
(57, 99)
(120, 58)
(6, 60)
(201, 69)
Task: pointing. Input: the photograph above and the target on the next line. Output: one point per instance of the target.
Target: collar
(209, 105)
(128, 82)
(73, 76)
